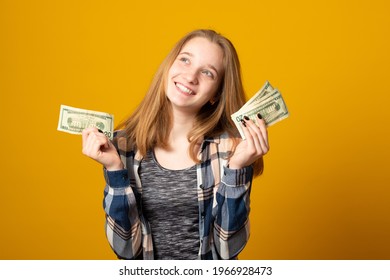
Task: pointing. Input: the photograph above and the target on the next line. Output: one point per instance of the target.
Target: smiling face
(195, 75)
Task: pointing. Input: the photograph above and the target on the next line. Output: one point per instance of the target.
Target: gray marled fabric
(170, 204)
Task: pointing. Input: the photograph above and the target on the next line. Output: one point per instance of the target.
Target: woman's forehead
(204, 50)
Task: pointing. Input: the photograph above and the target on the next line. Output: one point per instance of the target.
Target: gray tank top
(170, 204)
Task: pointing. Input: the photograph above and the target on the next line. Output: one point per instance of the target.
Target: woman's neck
(176, 155)
(181, 126)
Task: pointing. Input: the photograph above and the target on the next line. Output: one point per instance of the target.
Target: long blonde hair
(151, 123)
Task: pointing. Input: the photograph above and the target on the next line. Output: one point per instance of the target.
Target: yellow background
(325, 191)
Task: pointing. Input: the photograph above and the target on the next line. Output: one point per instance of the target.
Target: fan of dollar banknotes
(267, 102)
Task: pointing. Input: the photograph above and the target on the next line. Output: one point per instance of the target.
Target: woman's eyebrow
(208, 65)
(212, 67)
(187, 53)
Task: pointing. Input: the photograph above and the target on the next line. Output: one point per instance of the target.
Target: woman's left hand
(254, 147)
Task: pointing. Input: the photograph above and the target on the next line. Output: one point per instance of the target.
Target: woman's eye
(184, 59)
(208, 73)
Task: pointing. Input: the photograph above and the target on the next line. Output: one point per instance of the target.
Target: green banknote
(268, 102)
(74, 120)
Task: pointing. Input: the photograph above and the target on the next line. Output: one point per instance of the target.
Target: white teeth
(183, 88)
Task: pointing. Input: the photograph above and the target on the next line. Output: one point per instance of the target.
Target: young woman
(178, 177)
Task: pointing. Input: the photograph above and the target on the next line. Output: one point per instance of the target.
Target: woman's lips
(184, 89)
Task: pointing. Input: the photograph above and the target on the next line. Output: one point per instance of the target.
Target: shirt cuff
(237, 177)
(117, 178)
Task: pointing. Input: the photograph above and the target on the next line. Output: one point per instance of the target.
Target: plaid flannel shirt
(223, 196)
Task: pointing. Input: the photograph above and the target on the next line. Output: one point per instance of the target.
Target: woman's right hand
(97, 146)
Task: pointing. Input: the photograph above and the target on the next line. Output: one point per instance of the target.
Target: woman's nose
(191, 76)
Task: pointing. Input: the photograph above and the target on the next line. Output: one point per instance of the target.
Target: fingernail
(100, 131)
(243, 123)
(259, 116)
(246, 118)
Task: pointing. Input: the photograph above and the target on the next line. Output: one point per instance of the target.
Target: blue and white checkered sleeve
(231, 227)
(123, 228)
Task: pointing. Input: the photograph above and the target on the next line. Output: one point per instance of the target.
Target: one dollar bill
(75, 120)
(268, 102)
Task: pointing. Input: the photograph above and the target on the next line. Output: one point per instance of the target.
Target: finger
(263, 128)
(95, 141)
(245, 129)
(248, 136)
(256, 136)
(99, 146)
(85, 134)
(86, 131)
(102, 140)
(90, 129)
(262, 142)
(89, 139)
(100, 133)
(108, 142)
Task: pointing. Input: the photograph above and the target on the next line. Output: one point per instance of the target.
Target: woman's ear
(214, 99)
